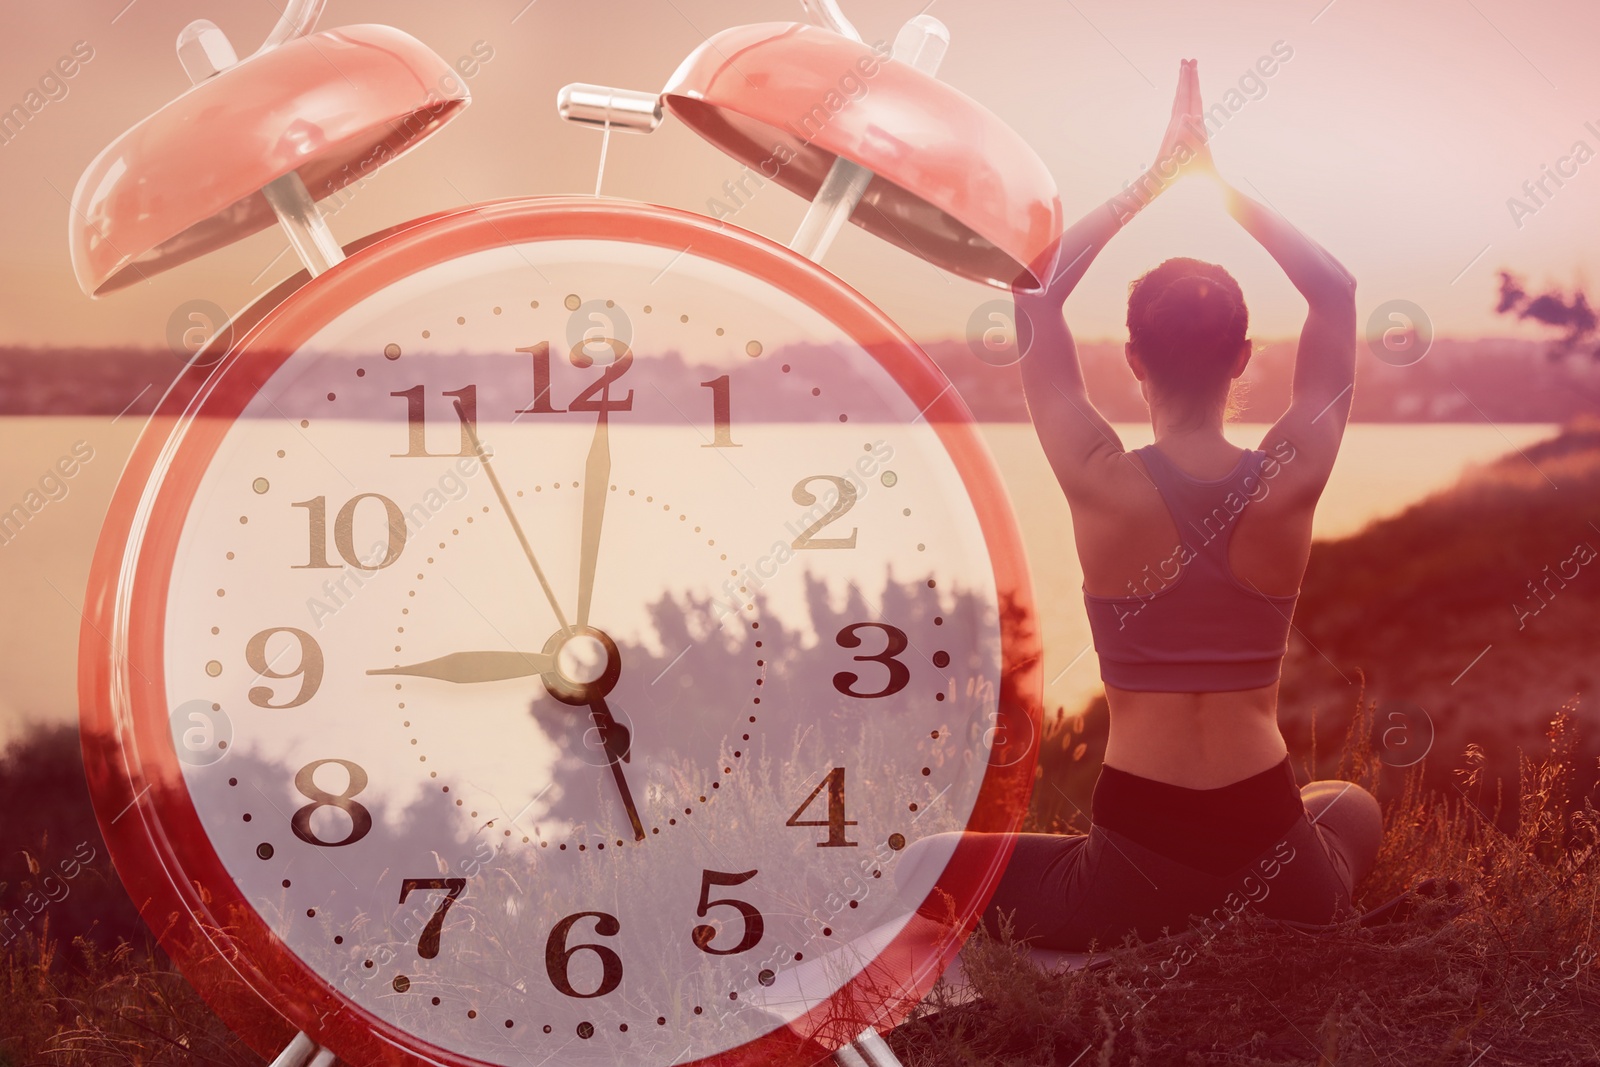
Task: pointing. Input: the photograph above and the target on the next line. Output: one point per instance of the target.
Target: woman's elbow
(1336, 298)
(1349, 284)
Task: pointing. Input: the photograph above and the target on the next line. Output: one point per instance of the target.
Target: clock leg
(868, 1050)
(303, 1052)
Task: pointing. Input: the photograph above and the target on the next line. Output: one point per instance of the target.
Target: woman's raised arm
(1083, 449)
(1325, 362)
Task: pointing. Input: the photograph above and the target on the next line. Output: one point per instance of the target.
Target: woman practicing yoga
(1192, 553)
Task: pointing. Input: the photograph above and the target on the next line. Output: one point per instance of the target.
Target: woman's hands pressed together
(1185, 148)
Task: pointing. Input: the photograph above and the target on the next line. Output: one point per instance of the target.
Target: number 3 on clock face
(600, 603)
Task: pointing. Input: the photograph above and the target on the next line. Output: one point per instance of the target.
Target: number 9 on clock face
(602, 604)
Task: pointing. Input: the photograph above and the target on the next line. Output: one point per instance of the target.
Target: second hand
(505, 505)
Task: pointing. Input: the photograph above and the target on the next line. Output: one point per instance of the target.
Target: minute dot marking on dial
(715, 785)
(753, 349)
(265, 850)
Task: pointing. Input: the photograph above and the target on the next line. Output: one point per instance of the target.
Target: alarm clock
(536, 631)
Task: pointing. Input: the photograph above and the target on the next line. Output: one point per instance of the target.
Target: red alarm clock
(535, 632)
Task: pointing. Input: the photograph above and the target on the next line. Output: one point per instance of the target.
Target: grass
(1507, 981)
(82, 980)
(80, 1004)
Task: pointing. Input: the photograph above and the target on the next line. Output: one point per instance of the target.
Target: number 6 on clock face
(548, 664)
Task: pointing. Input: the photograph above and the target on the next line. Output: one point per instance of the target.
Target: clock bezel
(151, 828)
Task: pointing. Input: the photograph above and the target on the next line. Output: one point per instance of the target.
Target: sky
(1395, 133)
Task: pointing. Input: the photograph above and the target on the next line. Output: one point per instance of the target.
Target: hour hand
(475, 666)
(614, 737)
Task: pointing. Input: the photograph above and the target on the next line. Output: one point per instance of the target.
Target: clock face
(562, 627)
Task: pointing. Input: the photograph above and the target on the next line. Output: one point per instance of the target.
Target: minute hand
(596, 483)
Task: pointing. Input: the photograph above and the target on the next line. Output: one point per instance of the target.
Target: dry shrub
(1512, 973)
(71, 1005)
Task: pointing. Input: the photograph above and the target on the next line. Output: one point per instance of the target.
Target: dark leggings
(1065, 892)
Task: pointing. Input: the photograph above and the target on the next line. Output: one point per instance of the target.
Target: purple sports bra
(1189, 625)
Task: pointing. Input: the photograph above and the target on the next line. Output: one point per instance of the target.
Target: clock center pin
(581, 659)
(584, 665)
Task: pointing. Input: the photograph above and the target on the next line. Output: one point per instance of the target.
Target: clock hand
(596, 482)
(614, 737)
(475, 666)
(589, 690)
(505, 505)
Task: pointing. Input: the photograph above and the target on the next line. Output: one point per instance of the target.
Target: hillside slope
(1480, 604)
